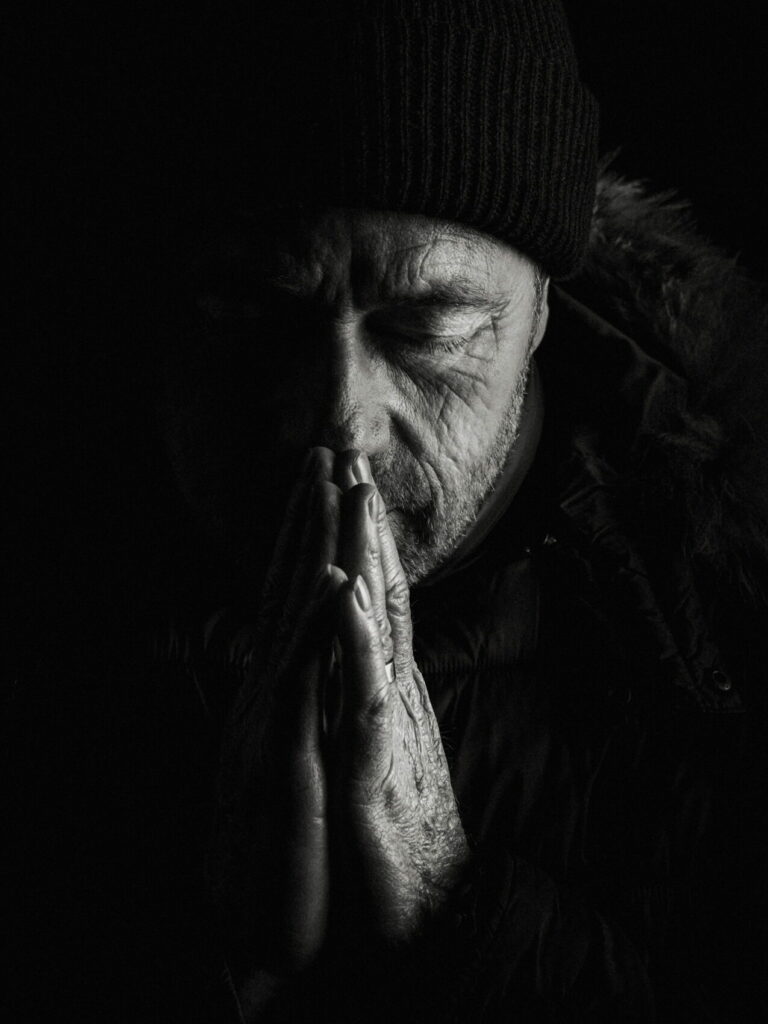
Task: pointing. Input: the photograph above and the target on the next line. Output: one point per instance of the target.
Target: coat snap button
(721, 680)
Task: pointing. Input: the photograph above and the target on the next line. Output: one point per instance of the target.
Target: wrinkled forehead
(367, 247)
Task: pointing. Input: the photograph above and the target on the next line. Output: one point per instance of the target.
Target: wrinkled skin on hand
(391, 785)
(333, 755)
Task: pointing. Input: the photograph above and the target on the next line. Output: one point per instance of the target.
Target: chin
(419, 556)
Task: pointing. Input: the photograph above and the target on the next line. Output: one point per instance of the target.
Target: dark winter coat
(597, 670)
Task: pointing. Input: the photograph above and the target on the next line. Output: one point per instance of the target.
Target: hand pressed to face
(351, 763)
(393, 790)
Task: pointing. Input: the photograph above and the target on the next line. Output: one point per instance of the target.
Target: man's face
(403, 336)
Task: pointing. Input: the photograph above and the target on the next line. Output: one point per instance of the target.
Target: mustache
(397, 473)
(401, 481)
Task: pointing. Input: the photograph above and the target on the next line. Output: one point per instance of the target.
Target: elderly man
(478, 559)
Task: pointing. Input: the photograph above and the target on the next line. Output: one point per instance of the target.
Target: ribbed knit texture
(469, 110)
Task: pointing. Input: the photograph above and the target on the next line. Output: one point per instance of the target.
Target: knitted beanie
(468, 110)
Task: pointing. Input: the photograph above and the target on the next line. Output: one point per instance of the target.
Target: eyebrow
(457, 292)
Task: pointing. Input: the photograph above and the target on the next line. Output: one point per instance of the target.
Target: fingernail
(362, 596)
(373, 506)
(360, 469)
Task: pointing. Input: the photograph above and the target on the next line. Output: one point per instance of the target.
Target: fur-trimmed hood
(650, 273)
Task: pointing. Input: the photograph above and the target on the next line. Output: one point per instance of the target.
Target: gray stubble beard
(427, 532)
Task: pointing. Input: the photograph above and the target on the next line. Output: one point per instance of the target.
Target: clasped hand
(337, 814)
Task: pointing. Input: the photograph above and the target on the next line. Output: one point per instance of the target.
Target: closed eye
(444, 328)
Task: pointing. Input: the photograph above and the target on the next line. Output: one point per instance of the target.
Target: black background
(682, 90)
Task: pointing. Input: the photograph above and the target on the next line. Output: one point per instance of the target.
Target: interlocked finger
(369, 697)
(353, 467)
(360, 554)
(397, 601)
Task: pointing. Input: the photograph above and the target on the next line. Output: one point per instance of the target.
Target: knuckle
(398, 596)
(373, 554)
(385, 635)
(371, 641)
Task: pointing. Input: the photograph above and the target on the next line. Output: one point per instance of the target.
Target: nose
(350, 406)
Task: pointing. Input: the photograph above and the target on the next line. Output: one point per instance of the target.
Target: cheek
(453, 409)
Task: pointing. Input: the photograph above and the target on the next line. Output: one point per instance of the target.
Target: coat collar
(699, 450)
